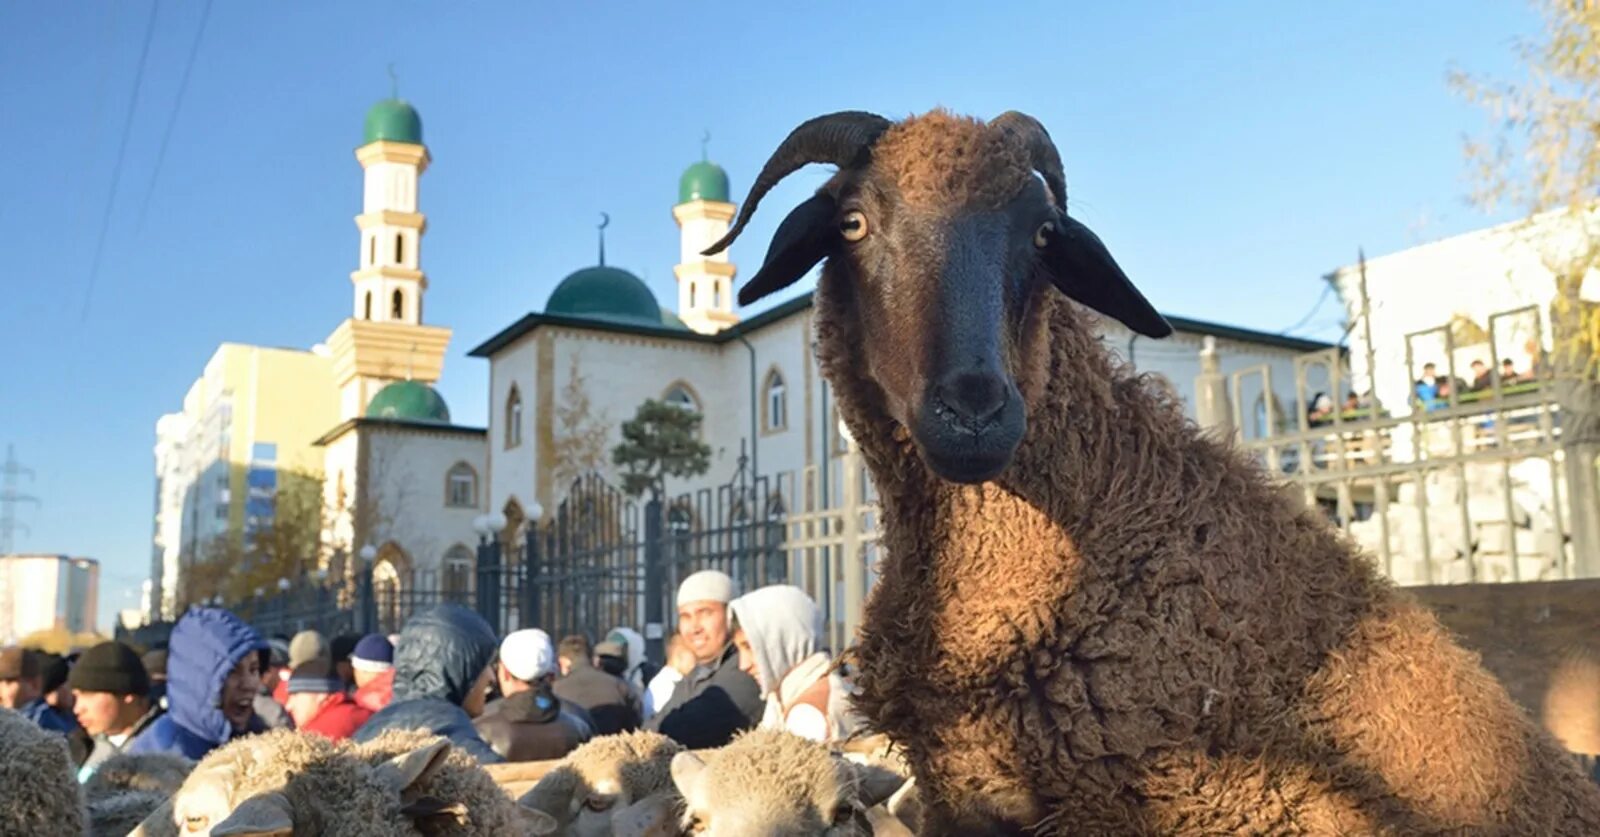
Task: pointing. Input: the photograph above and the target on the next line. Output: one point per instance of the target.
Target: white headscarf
(634, 642)
(783, 626)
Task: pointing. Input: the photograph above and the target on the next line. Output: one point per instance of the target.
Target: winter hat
(612, 648)
(706, 586)
(54, 668)
(278, 656)
(307, 646)
(110, 667)
(155, 662)
(342, 645)
(528, 654)
(18, 663)
(373, 653)
(316, 676)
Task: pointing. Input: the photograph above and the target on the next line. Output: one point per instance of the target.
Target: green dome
(671, 320)
(394, 120)
(409, 400)
(605, 293)
(703, 181)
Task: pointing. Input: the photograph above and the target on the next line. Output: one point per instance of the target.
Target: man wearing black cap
(22, 689)
(112, 700)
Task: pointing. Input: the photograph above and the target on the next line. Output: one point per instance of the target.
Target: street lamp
(260, 592)
(480, 524)
(283, 585)
(368, 553)
(497, 521)
(535, 511)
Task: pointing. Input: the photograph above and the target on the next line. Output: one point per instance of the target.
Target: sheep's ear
(536, 823)
(159, 822)
(654, 816)
(874, 784)
(267, 815)
(686, 769)
(407, 770)
(1082, 267)
(553, 793)
(804, 238)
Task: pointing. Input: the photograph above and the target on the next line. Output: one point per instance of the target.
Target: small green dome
(394, 120)
(409, 400)
(605, 293)
(703, 181)
(671, 320)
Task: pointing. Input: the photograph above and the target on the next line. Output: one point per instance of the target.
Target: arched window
(776, 405)
(693, 286)
(397, 305)
(461, 486)
(679, 396)
(368, 311)
(716, 294)
(372, 251)
(457, 581)
(399, 249)
(513, 418)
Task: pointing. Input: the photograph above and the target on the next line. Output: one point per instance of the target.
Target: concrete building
(44, 592)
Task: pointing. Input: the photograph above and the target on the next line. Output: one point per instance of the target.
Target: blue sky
(1230, 154)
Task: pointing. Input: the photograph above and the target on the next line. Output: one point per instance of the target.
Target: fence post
(852, 556)
(369, 602)
(489, 580)
(530, 571)
(654, 570)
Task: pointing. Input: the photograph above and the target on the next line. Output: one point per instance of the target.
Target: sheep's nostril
(974, 397)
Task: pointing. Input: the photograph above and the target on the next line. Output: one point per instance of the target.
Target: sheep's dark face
(941, 234)
(943, 293)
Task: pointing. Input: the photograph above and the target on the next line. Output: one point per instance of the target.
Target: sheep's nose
(974, 397)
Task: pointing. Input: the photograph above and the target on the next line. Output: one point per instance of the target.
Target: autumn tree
(1544, 159)
(660, 441)
(581, 431)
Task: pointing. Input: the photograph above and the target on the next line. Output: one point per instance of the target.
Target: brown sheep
(1092, 617)
(612, 784)
(39, 792)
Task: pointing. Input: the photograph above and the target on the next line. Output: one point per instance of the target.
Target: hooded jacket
(803, 692)
(530, 726)
(441, 653)
(712, 705)
(206, 645)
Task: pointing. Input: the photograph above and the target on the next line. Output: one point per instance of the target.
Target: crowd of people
(735, 662)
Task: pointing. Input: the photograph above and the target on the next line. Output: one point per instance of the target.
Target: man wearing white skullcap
(712, 700)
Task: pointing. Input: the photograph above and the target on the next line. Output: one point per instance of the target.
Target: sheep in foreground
(128, 787)
(616, 784)
(479, 806)
(283, 783)
(39, 792)
(1092, 617)
(770, 782)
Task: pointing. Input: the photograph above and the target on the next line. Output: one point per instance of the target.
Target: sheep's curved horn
(839, 138)
(1042, 153)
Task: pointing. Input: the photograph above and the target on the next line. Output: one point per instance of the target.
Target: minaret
(703, 213)
(384, 339)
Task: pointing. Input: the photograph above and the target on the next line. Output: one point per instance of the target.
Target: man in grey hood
(442, 669)
(778, 631)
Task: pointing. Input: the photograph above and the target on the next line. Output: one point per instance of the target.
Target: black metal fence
(599, 560)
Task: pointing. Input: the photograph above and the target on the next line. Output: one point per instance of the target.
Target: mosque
(408, 488)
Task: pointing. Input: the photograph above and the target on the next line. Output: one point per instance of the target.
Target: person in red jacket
(318, 702)
(372, 663)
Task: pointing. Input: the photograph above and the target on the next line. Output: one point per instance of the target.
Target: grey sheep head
(940, 234)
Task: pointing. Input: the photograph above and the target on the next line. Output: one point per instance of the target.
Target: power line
(1326, 289)
(172, 118)
(10, 497)
(122, 150)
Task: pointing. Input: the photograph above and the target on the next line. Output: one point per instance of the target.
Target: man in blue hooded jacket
(214, 665)
(442, 666)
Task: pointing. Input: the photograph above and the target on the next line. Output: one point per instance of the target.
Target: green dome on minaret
(410, 401)
(394, 120)
(703, 181)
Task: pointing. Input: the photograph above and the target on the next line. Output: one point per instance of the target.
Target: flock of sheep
(1092, 618)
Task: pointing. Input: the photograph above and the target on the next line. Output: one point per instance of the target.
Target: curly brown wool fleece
(1134, 631)
(988, 167)
(161, 773)
(39, 795)
(460, 779)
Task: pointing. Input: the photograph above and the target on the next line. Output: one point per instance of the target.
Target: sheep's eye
(1041, 236)
(698, 824)
(853, 226)
(843, 814)
(598, 803)
(194, 825)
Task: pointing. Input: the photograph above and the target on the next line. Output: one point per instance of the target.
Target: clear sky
(1230, 154)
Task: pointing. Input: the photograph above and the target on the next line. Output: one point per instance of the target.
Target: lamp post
(369, 606)
(530, 567)
(489, 527)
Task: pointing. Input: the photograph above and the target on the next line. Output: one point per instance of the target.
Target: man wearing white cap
(528, 724)
(714, 700)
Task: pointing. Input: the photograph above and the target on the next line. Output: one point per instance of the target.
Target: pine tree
(660, 441)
